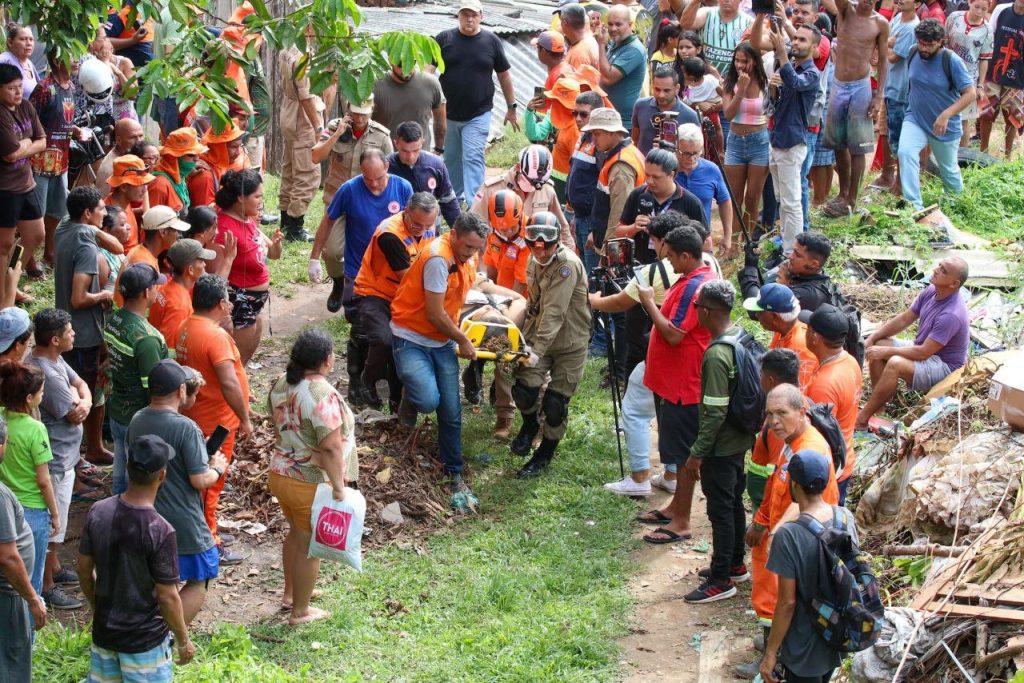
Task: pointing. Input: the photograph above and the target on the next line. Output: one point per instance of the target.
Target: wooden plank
(1010, 596)
(1015, 616)
(986, 267)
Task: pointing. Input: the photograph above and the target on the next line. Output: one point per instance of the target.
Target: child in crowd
(703, 92)
(668, 44)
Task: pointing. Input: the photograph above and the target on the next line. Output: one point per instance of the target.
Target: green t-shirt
(134, 347)
(27, 446)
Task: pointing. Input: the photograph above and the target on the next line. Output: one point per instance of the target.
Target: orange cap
(130, 170)
(181, 142)
(552, 41)
(230, 132)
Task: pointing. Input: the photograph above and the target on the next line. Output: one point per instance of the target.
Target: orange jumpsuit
(765, 590)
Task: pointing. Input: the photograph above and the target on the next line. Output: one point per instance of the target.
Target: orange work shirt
(134, 236)
(776, 491)
(202, 345)
(796, 341)
(161, 193)
(839, 381)
(202, 187)
(169, 312)
(139, 254)
(508, 258)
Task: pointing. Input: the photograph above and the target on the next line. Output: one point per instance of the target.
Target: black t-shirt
(134, 549)
(641, 202)
(468, 63)
(1007, 67)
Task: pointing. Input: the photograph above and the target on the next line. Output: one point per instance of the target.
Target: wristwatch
(439, 150)
(513, 106)
(219, 471)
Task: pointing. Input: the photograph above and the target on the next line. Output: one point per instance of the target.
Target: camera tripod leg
(614, 382)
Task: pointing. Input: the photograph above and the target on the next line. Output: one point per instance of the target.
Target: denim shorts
(751, 149)
(894, 112)
(52, 193)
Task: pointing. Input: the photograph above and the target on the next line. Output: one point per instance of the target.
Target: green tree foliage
(193, 72)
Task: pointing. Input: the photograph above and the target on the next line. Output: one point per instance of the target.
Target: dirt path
(669, 639)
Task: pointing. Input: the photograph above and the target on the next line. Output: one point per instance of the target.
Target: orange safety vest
(629, 154)
(375, 277)
(409, 307)
(129, 29)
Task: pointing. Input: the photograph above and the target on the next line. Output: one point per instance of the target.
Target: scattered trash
(700, 546)
(464, 502)
(695, 641)
(392, 513)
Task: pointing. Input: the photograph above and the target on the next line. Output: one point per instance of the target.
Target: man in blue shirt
(664, 86)
(940, 88)
(623, 64)
(425, 172)
(794, 87)
(358, 207)
(701, 177)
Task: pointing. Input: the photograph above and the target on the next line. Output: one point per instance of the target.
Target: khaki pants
(566, 371)
(300, 177)
(334, 249)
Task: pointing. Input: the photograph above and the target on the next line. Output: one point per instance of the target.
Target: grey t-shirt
(794, 555)
(394, 103)
(75, 251)
(59, 397)
(178, 501)
(644, 110)
(14, 529)
(435, 280)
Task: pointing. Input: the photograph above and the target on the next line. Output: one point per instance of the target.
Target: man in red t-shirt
(673, 373)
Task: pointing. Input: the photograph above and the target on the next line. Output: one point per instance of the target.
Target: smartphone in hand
(216, 439)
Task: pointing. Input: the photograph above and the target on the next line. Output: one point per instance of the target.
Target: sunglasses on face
(580, 114)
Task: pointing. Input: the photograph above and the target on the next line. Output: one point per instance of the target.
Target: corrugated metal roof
(515, 32)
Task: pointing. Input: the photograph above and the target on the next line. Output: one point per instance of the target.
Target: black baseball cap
(137, 278)
(166, 376)
(828, 321)
(149, 453)
(810, 469)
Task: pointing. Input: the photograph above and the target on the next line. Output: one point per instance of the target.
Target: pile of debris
(398, 474)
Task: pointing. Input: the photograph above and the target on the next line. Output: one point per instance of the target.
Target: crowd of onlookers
(650, 118)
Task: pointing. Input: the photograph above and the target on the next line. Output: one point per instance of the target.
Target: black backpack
(947, 67)
(844, 606)
(854, 340)
(746, 405)
(823, 418)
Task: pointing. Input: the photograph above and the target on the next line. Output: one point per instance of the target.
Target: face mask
(186, 167)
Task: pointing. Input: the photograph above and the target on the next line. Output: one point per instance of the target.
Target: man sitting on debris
(939, 348)
(801, 272)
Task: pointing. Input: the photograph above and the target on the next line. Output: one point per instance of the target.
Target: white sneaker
(659, 481)
(627, 487)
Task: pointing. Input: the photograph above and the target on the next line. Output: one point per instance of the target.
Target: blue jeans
(430, 377)
(119, 433)
(464, 154)
(912, 140)
(811, 140)
(588, 256)
(38, 520)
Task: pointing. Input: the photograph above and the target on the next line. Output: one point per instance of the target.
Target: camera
(666, 129)
(615, 267)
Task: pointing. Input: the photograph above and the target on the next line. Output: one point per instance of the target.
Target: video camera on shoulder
(615, 267)
(666, 129)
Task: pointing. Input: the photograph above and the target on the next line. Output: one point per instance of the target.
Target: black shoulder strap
(662, 272)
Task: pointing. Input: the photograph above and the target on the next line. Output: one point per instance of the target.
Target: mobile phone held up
(216, 439)
(16, 253)
(763, 6)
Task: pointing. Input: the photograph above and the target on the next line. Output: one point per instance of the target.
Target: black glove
(751, 254)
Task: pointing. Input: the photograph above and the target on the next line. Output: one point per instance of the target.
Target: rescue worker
(426, 172)
(557, 330)
(396, 243)
(424, 317)
(787, 431)
(583, 169)
(530, 178)
(549, 116)
(505, 259)
(301, 123)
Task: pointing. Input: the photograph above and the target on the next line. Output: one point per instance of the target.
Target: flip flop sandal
(836, 210)
(659, 517)
(673, 537)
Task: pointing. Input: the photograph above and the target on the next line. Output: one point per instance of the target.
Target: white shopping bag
(338, 527)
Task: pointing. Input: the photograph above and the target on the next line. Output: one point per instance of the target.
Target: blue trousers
(912, 140)
(464, 154)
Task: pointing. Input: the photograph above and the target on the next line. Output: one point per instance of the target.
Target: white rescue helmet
(534, 167)
(96, 80)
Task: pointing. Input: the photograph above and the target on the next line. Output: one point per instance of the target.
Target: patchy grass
(504, 153)
(991, 204)
(290, 270)
(534, 588)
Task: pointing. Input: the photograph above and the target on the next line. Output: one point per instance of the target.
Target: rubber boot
(473, 382)
(295, 229)
(334, 298)
(540, 460)
(524, 439)
(355, 391)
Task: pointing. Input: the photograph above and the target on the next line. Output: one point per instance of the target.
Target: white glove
(532, 360)
(314, 271)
